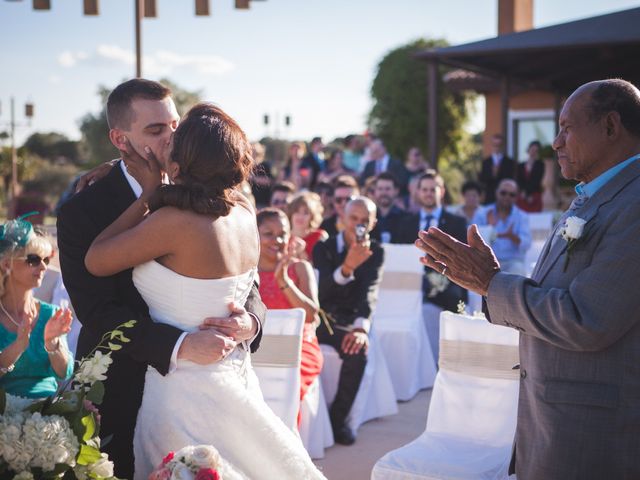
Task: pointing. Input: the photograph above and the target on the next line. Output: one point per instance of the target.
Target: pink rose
(207, 474)
(168, 458)
(160, 474)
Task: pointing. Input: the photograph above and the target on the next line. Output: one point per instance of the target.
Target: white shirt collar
(435, 213)
(133, 183)
(340, 243)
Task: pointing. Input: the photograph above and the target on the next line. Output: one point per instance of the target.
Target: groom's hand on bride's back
(206, 346)
(239, 325)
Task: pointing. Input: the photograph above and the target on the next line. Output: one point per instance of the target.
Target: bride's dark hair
(214, 157)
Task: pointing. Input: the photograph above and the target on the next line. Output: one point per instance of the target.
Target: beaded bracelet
(8, 369)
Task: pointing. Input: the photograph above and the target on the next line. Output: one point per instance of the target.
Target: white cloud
(55, 79)
(162, 62)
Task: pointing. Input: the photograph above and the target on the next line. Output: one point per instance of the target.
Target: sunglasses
(508, 194)
(342, 199)
(34, 260)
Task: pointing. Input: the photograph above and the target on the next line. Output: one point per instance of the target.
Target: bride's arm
(128, 241)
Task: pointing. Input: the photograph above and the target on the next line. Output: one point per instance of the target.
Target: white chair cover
(315, 425)
(375, 396)
(398, 322)
(472, 415)
(277, 363)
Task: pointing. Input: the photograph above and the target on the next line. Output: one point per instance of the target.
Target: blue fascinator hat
(16, 233)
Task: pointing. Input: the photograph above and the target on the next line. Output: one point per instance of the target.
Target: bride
(195, 253)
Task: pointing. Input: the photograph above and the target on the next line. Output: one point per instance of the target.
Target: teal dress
(33, 376)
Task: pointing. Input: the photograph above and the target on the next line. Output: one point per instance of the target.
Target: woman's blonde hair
(313, 203)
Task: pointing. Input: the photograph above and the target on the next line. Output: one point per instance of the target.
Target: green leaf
(130, 324)
(90, 427)
(37, 406)
(124, 339)
(3, 401)
(88, 455)
(69, 402)
(115, 334)
(96, 393)
(114, 346)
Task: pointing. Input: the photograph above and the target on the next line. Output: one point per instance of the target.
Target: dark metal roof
(559, 57)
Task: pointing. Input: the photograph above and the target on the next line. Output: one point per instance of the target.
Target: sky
(313, 60)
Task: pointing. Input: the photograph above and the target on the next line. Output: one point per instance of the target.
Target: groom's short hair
(119, 114)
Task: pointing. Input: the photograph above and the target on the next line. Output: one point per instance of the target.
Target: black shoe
(343, 435)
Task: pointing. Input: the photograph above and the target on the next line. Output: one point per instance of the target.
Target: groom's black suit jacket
(103, 303)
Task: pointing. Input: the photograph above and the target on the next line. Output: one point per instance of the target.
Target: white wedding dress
(219, 404)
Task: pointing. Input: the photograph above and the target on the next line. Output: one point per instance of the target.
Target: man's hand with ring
(472, 265)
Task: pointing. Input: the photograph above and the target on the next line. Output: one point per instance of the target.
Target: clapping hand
(509, 234)
(24, 331)
(472, 265)
(58, 324)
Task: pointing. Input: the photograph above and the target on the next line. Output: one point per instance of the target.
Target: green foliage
(95, 145)
(399, 113)
(53, 147)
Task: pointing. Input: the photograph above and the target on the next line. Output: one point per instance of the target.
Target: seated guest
(416, 165)
(333, 168)
(261, 177)
(33, 348)
(281, 195)
(470, 208)
(530, 175)
(437, 289)
(286, 282)
(380, 161)
(344, 189)
(352, 153)
(349, 266)
(390, 216)
(325, 190)
(511, 237)
(293, 170)
(305, 216)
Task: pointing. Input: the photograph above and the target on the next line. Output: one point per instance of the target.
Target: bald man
(579, 314)
(349, 264)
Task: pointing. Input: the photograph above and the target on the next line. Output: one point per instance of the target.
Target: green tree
(95, 144)
(399, 113)
(53, 146)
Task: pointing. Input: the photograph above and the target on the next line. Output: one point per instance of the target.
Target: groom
(579, 314)
(140, 113)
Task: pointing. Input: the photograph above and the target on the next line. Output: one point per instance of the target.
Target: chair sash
(401, 281)
(479, 359)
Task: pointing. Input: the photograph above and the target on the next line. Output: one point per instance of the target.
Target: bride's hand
(145, 169)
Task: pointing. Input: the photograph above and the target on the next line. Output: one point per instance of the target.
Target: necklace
(4, 310)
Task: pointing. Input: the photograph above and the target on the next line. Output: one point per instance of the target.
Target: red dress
(311, 239)
(275, 299)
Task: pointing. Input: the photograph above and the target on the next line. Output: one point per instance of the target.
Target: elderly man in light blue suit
(579, 314)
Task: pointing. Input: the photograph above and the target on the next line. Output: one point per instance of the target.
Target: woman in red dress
(288, 282)
(305, 215)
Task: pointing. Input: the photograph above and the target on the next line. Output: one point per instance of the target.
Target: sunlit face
(152, 124)
(274, 237)
(471, 198)
(358, 214)
(429, 193)
(27, 271)
(301, 218)
(341, 197)
(385, 193)
(581, 143)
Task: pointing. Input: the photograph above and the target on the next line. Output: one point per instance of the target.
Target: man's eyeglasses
(508, 194)
(34, 260)
(342, 199)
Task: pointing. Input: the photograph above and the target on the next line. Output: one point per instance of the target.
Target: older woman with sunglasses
(33, 349)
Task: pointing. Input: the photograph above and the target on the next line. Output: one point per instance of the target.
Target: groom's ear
(118, 138)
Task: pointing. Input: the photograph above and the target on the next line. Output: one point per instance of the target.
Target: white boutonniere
(437, 282)
(572, 232)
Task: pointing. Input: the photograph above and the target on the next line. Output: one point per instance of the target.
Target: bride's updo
(214, 156)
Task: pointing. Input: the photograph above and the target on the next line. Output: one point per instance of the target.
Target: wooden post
(138, 16)
(432, 99)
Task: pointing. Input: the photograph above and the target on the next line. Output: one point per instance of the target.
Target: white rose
(103, 468)
(205, 456)
(573, 228)
(181, 472)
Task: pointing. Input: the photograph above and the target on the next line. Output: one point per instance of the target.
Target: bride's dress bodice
(185, 302)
